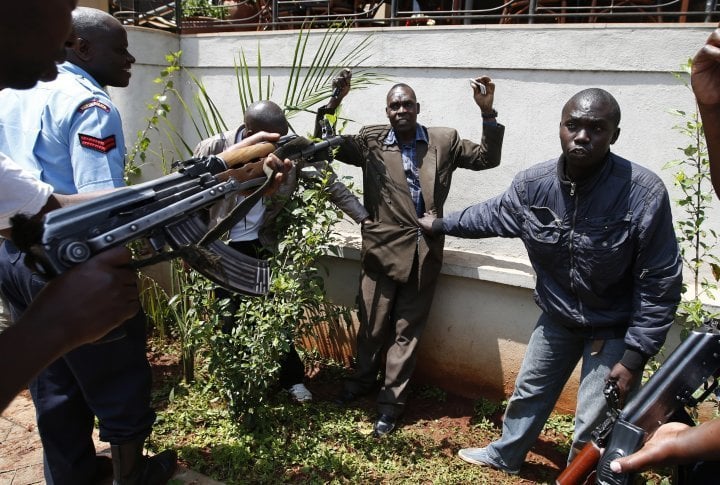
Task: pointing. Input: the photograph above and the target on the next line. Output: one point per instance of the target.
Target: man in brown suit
(407, 170)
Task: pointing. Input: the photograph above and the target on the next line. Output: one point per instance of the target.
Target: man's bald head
(597, 97)
(91, 23)
(265, 116)
(100, 47)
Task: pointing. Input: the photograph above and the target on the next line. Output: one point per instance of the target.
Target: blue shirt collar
(71, 68)
(420, 135)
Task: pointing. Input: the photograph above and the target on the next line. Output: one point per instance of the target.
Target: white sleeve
(20, 192)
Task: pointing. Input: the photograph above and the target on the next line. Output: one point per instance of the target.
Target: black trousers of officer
(110, 380)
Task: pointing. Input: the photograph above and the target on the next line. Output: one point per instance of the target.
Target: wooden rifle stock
(241, 156)
(240, 161)
(582, 469)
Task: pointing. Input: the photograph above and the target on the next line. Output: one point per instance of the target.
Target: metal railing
(283, 14)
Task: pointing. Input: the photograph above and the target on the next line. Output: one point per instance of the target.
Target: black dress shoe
(384, 425)
(345, 397)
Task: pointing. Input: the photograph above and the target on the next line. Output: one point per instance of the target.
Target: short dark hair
(403, 86)
(597, 95)
(89, 22)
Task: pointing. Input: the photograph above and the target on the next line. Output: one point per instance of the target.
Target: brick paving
(21, 451)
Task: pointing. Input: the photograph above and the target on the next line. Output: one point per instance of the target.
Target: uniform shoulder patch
(95, 103)
(103, 145)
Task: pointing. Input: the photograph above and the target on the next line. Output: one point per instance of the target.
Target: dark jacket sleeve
(501, 216)
(340, 194)
(352, 150)
(484, 155)
(658, 277)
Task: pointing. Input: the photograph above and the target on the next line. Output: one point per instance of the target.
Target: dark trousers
(110, 380)
(292, 369)
(392, 318)
(700, 473)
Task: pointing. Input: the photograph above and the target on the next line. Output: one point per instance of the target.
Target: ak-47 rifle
(169, 214)
(692, 366)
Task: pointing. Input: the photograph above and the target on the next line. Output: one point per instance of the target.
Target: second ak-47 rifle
(692, 367)
(169, 213)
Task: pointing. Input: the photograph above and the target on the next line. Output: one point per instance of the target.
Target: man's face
(111, 62)
(34, 34)
(402, 110)
(587, 129)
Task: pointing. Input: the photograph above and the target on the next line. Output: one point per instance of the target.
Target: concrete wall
(483, 311)
(101, 4)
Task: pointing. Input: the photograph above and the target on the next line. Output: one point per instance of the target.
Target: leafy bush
(244, 362)
(696, 239)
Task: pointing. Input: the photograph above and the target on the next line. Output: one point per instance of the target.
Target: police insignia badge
(103, 145)
(95, 103)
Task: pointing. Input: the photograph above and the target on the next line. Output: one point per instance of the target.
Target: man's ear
(82, 49)
(615, 136)
(417, 108)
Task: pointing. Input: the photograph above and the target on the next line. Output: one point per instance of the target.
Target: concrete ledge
(464, 264)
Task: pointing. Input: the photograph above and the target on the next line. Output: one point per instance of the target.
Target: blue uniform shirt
(66, 132)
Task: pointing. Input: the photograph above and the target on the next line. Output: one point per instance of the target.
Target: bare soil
(448, 422)
(451, 424)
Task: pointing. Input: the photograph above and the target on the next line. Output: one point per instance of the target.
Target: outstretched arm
(705, 81)
(79, 306)
(674, 443)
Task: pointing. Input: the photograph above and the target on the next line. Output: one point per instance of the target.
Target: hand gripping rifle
(693, 365)
(169, 213)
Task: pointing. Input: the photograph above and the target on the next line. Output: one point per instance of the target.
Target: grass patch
(321, 443)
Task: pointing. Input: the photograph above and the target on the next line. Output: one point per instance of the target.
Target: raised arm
(484, 96)
(341, 87)
(705, 81)
(487, 154)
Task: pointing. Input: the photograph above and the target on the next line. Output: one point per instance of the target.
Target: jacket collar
(587, 184)
(420, 135)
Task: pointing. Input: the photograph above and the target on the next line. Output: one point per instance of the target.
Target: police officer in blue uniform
(66, 132)
(69, 134)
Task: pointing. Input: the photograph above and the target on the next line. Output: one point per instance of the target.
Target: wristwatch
(489, 115)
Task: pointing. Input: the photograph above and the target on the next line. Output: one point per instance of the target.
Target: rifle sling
(240, 210)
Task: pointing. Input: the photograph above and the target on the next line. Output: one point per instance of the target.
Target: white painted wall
(536, 69)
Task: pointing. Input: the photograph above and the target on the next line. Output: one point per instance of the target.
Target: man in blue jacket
(599, 234)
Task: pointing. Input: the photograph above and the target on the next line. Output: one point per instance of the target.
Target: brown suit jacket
(340, 195)
(391, 238)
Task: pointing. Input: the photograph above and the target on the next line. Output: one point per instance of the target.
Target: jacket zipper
(573, 194)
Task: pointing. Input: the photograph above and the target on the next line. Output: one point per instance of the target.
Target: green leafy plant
(242, 363)
(561, 426)
(159, 107)
(696, 238)
(245, 361)
(431, 392)
(201, 8)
